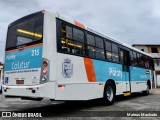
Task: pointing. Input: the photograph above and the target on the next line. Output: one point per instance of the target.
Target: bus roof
(74, 22)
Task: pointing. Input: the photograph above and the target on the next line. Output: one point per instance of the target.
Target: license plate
(19, 81)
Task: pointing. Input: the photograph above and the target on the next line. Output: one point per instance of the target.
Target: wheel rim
(109, 93)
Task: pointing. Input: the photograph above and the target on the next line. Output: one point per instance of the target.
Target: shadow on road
(72, 108)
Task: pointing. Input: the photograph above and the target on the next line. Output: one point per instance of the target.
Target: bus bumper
(46, 90)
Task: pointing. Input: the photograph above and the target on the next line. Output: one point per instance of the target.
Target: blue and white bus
(50, 56)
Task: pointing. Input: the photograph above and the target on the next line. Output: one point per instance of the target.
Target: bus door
(125, 61)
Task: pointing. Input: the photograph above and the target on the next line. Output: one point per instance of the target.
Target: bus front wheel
(109, 93)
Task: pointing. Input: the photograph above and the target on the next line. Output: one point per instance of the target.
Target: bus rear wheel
(109, 94)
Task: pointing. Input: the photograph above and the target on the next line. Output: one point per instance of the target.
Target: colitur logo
(20, 65)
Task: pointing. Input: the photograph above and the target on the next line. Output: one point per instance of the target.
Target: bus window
(90, 40)
(151, 64)
(108, 50)
(141, 61)
(78, 49)
(78, 35)
(138, 55)
(38, 27)
(91, 51)
(99, 42)
(131, 57)
(114, 48)
(100, 54)
(91, 46)
(99, 48)
(27, 32)
(147, 63)
(135, 58)
(108, 46)
(115, 56)
(108, 55)
(69, 32)
(72, 43)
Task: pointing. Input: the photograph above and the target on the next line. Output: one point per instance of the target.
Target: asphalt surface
(136, 103)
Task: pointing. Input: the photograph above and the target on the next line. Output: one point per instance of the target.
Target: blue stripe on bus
(24, 59)
(139, 74)
(107, 70)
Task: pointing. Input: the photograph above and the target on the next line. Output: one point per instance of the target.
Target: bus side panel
(71, 73)
(107, 70)
(138, 79)
(82, 83)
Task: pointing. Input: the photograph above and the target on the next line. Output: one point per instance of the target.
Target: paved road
(82, 110)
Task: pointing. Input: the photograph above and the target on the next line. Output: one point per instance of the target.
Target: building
(154, 51)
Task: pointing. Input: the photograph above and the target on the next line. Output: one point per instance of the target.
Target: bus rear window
(26, 32)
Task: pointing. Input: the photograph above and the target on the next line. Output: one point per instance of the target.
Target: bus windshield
(26, 32)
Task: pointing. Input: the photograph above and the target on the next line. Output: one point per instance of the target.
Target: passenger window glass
(141, 61)
(100, 53)
(115, 57)
(69, 32)
(90, 40)
(109, 55)
(91, 51)
(99, 42)
(39, 27)
(78, 48)
(114, 48)
(23, 40)
(131, 54)
(108, 46)
(78, 35)
(68, 43)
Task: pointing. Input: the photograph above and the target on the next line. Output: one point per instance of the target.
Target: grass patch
(158, 86)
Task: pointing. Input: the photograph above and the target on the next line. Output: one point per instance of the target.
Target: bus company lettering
(143, 76)
(10, 57)
(20, 65)
(115, 72)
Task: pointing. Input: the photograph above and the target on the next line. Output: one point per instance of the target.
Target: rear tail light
(45, 63)
(44, 70)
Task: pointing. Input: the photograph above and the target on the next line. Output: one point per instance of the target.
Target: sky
(129, 21)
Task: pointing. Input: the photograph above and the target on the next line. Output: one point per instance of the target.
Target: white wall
(142, 47)
(158, 80)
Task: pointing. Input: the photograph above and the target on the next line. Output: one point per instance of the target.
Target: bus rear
(25, 68)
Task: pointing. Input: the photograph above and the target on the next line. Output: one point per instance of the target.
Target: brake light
(45, 63)
(44, 71)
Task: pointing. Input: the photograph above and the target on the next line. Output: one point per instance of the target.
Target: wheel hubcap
(109, 93)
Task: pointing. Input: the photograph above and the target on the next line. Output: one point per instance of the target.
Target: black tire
(109, 93)
(146, 92)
